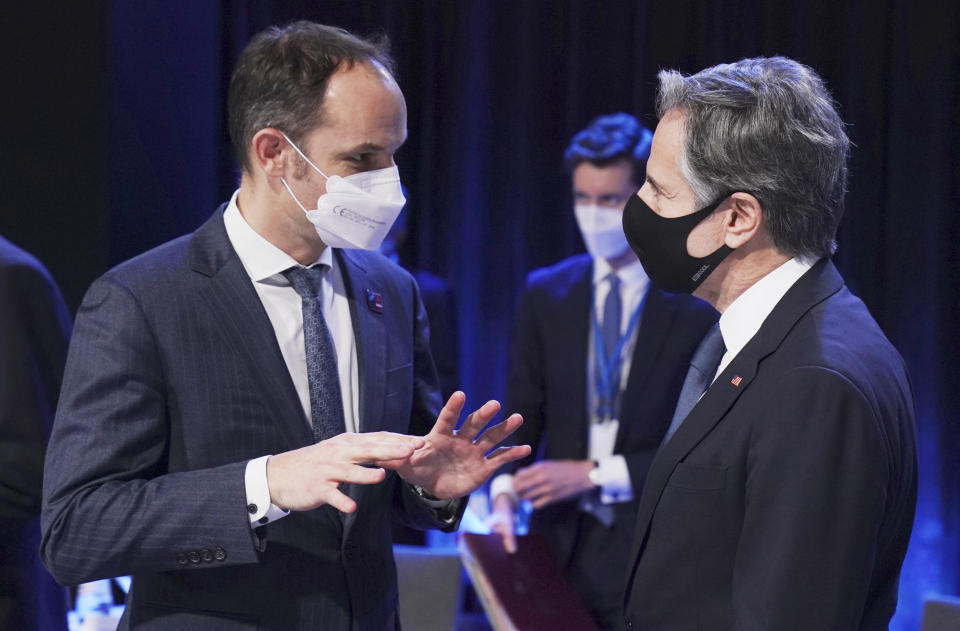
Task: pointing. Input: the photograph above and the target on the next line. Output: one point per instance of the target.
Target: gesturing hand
(549, 481)
(453, 463)
(308, 477)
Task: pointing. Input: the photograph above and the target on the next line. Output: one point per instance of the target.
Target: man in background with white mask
(245, 407)
(596, 367)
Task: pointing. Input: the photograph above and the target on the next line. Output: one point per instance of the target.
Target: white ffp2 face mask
(602, 230)
(358, 210)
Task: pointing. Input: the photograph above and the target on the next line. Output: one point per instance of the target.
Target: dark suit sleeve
(414, 511)
(110, 505)
(525, 386)
(34, 327)
(815, 498)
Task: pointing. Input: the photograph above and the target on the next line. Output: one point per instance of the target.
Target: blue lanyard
(606, 368)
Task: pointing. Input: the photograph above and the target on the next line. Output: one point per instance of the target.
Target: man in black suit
(34, 329)
(596, 366)
(783, 497)
(232, 427)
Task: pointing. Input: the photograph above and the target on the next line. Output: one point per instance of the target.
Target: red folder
(524, 591)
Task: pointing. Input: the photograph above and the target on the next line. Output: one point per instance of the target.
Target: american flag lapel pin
(374, 301)
(736, 380)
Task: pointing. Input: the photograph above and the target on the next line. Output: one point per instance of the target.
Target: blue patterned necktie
(326, 404)
(703, 368)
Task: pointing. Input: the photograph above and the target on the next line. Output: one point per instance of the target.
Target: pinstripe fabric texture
(174, 381)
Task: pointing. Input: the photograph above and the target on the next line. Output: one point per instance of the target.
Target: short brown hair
(281, 77)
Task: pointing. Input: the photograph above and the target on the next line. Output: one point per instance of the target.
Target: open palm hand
(453, 462)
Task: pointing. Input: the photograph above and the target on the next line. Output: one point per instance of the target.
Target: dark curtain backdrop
(114, 141)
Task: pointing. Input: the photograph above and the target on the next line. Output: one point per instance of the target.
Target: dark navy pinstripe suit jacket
(174, 381)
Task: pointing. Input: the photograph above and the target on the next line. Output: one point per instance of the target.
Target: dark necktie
(326, 404)
(612, 312)
(610, 331)
(703, 367)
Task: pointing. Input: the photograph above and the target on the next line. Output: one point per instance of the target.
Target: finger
(392, 437)
(495, 435)
(356, 474)
(531, 488)
(537, 495)
(393, 465)
(339, 500)
(507, 535)
(375, 447)
(478, 419)
(525, 478)
(450, 414)
(502, 455)
(543, 501)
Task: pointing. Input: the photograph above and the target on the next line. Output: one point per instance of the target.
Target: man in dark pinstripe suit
(192, 448)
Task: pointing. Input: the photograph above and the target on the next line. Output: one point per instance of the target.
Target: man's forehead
(614, 175)
(363, 111)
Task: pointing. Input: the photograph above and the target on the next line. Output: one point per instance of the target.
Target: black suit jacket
(785, 499)
(34, 329)
(547, 381)
(174, 381)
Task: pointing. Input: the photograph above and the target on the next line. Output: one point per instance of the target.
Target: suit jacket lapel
(574, 343)
(370, 335)
(231, 297)
(821, 281)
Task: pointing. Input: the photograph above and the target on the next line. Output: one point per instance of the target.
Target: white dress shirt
(265, 263)
(745, 315)
(612, 471)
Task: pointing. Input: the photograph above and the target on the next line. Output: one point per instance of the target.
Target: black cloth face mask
(661, 245)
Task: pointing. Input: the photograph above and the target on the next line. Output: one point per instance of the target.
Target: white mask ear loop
(289, 190)
(304, 156)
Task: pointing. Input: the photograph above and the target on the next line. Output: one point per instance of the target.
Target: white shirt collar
(262, 260)
(632, 275)
(743, 318)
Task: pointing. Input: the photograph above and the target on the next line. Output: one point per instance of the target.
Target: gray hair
(768, 127)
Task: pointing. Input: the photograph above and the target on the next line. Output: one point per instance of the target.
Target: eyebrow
(656, 185)
(367, 147)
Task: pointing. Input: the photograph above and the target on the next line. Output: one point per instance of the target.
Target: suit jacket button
(206, 555)
(220, 554)
(629, 625)
(194, 556)
(182, 559)
(252, 509)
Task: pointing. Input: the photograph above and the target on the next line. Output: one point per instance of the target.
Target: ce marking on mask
(355, 217)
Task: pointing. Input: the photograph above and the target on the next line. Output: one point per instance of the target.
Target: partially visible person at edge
(34, 331)
(244, 407)
(784, 496)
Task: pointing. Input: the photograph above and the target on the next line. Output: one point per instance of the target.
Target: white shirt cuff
(503, 485)
(259, 508)
(614, 478)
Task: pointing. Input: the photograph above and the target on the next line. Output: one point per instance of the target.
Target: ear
(269, 151)
(744, 219)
